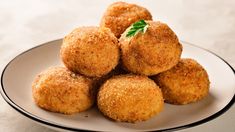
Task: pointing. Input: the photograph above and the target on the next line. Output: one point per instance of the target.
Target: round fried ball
(130, 98)
(59, 90)
(120, 15)
(185, 83)
(91, 51)
(155, 51)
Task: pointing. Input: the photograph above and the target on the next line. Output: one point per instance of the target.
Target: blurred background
(26, 23)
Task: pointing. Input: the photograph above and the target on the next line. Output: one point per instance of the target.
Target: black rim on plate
(53, 124)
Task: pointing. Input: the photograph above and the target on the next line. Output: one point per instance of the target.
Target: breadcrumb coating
(155, 51)
(187, 82)
(91, 51)
(120, 15)
(59, 90)
(130, 98)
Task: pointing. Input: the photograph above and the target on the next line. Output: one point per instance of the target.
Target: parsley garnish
(140, 26)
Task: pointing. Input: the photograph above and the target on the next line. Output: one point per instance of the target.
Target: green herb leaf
(140, 26)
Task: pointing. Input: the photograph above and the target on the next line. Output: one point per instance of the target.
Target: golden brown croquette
(121, 15)
(185, 83)
(155, 51)
(130, 98)
(91, 51)
(59, 90)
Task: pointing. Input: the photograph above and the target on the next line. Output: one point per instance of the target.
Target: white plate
(19, 73)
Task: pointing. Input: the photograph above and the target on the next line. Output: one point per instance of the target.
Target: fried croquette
(185, 83)
(120, 15)
(152, 52)
(91, 51)
(59, 90)
(130, 98)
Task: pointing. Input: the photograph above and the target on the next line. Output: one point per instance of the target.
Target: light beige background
(27, 23)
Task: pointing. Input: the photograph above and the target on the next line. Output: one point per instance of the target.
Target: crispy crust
(121, 15)
(90, 51)
(130, 98)
(185, 83)
(59, 90)
(155, 51)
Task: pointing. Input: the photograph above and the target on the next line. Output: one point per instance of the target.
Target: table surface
(26, 23)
